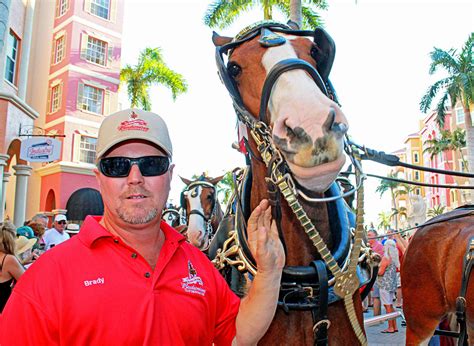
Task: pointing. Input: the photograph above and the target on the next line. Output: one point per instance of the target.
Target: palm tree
(389, 185)
(150, 69)
(384, 220)
(222, 13)
(226, 186)
(458, 86)
(436, 210)
(454, 141)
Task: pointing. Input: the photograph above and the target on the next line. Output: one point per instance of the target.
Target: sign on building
(40, 149)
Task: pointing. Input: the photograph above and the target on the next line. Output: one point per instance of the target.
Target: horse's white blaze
(196, 227)
(296, 99)
(297, 102)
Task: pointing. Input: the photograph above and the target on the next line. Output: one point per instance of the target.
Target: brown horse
(202, 209)
(271, 76)
(431, 275)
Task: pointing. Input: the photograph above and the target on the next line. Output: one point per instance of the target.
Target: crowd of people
(20, 247)
(387, 289)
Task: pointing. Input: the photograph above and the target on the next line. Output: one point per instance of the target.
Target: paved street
(375, 337)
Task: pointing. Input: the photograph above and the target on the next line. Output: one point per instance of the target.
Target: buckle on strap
(318, 324)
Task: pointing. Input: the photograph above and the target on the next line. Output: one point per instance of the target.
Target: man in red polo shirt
(128, 278)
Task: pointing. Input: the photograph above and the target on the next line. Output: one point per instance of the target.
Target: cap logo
(133, 124)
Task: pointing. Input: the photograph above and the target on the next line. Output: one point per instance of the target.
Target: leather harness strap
(321, 322)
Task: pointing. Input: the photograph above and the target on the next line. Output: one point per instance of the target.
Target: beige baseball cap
(133, 123)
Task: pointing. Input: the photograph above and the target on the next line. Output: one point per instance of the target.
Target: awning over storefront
(84, 202)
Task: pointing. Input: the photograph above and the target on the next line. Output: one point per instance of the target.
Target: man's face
(135, 199)
(60, 225)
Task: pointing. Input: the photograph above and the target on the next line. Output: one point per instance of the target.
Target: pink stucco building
(71, 83)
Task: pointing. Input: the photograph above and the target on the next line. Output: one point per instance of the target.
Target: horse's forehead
(246, 54)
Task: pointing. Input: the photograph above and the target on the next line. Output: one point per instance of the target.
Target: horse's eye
(233, 69)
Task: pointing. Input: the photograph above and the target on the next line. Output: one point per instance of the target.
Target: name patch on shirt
(98, 281)
(193, 283)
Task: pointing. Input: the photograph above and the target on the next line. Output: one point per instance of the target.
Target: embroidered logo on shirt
(193, 283)
(98, 281)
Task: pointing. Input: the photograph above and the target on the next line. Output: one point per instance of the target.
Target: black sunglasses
(62, 222)
(119, 167)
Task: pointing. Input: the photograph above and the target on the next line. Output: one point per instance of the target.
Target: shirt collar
(92, 230)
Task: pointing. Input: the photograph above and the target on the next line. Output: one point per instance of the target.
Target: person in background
(387, 281)
(25, 231)
(57, 234)
(377, 247)
(10, 267)
(41, 219)
(38, 230)
(23, 250)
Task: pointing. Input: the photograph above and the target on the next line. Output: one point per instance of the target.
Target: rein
(394, 161)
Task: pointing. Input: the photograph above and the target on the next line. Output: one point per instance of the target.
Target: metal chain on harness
(346, 281)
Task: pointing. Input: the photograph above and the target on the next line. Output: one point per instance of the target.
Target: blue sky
(380, 73)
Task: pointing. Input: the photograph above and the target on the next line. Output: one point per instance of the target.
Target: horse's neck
(300, 250)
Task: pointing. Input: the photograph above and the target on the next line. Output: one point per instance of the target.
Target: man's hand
(264, 241)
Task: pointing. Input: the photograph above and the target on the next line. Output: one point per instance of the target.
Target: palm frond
(427, 99)
(441, 110)
(222, 13)
(321, 4)
(441, 58)
(311, 19)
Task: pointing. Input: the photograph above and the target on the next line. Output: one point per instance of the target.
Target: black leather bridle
(324, 45)
(207, 218)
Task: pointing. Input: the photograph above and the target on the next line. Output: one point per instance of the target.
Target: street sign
(40, 149)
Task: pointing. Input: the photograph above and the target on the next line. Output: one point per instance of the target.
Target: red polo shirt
(94, 289)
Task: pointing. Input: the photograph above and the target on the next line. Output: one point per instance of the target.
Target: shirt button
(147, 275)
(134, 255)
(116, 241)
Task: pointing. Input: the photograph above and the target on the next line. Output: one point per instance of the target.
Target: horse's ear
(328, 51)
(293, 25)
(186, 181)
(216, 180)
(220, 40)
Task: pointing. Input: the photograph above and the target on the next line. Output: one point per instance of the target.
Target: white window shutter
(76, 147)
(84, 40)
(60, 95)
(87, 6)
(80, 93)
(53, 53)
(113, 10)
(58, 4)
(106, 102)
(110, 54)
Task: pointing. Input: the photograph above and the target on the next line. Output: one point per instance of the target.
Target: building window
(416, 158)
(417, 192)
(13, 46)
(91, 98)
(101, 8)
(61, 7)
(59, 49)
(459, 116)
(417, 175)
(87, 149)
(56, 96)
(96, 51)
